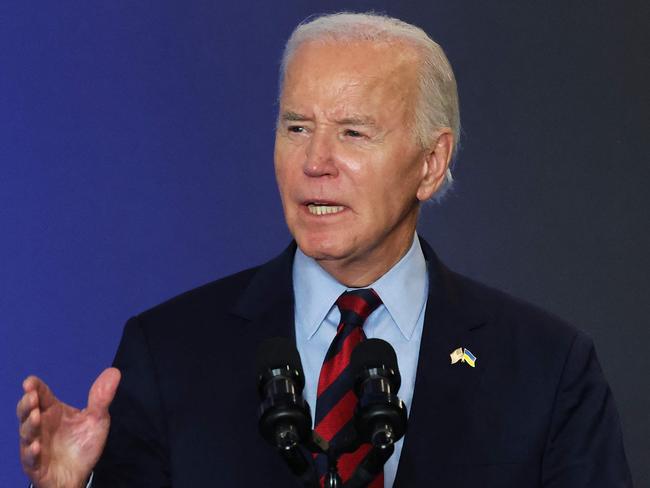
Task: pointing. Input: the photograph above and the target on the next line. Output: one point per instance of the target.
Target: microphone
(284, 416)
(380, 415)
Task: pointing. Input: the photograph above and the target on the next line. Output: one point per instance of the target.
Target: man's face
(348, 166)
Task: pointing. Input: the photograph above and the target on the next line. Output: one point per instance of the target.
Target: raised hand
(60, 444)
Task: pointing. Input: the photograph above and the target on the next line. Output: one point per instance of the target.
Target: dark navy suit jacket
(536, 410)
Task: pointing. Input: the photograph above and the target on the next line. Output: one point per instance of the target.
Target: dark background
(136, 162)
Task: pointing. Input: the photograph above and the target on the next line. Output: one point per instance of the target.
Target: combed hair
(437, 105)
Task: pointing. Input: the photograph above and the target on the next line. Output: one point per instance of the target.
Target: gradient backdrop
(136, 162)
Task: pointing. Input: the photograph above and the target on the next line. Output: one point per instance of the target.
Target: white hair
(437, 105)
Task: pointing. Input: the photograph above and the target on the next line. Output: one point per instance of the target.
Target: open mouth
(317, 208)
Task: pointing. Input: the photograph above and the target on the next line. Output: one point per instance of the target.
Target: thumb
(103, 390)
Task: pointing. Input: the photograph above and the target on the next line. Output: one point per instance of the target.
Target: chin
(321, 247)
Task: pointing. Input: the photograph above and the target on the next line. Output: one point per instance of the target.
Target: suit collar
(271, 288)
(268, 300)
(448, 298)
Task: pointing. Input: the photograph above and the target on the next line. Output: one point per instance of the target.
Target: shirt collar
(403, 290)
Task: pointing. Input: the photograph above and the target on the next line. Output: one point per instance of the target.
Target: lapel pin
(456, 355)
(463, 355)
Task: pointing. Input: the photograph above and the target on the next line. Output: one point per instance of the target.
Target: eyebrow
(293, 117)
(351, 120)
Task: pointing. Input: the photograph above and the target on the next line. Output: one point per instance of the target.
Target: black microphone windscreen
(278, 352)
(373, 353)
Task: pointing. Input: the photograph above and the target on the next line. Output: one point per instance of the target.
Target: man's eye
(297, 129)
(353, 133)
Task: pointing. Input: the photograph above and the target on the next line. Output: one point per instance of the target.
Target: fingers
(28, 410)
(26, 404)
(30, 455)
(45, 396)
(29, 416)
(30, 429)
(103, 390)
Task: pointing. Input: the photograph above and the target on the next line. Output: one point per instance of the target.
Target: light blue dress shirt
(399, 321)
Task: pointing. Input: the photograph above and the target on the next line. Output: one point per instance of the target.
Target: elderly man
(498, 393)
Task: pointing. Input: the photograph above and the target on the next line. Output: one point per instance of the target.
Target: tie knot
(357, 305)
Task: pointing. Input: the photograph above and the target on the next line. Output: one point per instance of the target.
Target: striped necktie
(336, 399)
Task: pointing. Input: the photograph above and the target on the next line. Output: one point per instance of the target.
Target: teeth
(319, 209)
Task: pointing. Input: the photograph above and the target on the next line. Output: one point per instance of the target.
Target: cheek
(394, 193)
(283, 187)
(357, 165)
(288, 162)
(282, 169)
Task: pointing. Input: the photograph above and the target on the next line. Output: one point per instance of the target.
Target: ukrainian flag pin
(469, 358)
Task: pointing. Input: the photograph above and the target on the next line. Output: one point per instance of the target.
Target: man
(367, 126)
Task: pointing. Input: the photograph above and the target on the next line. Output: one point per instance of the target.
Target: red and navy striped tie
(336, 399)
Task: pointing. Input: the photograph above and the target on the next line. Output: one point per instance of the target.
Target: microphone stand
(297, 457)
(332, 478)
(370, 467)
(366, 471)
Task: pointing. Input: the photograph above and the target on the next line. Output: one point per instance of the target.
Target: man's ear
(435, 165)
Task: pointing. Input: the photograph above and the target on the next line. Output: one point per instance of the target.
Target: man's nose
(320, 158)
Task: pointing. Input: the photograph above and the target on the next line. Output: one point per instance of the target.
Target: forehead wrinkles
(363, 74)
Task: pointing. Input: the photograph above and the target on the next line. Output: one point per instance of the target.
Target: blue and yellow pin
(463, 355)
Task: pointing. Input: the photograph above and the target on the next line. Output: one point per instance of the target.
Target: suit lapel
(268, 301)
(443, 394)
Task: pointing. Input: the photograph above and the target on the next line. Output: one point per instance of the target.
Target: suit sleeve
(136, 453)
(585, 443)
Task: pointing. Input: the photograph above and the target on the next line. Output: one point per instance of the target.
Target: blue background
(136, 147)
